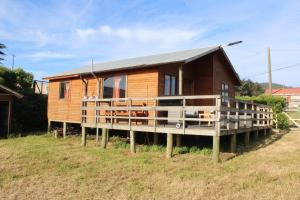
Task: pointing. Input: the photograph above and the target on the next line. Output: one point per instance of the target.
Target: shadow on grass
(262, 142)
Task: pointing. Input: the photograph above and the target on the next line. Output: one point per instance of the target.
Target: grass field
(41, 167)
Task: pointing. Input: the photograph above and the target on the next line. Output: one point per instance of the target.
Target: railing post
(252, 115)
(258, 115)
(228, 114)
(237, 122)
(129, 120)
(245, 114)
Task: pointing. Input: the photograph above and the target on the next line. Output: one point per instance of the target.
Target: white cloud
(141, 34)
(45, 55)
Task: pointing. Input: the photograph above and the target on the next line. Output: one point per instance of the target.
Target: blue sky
(52, 36)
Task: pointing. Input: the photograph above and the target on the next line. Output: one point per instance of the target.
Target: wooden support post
(132, 142)
(83, 134)
(104, 138)
(237, 122)
(178, 140)
(216, 148)
(64, 129)
(169, 145)
(247, 138)
(155, 138)
(233, 143)
(265, 133)
(245, 114)
(255, 135)
(97, 135)
(49, 126)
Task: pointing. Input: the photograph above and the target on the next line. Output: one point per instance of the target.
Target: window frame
(224, 91)
(60, 88)
(171, 89)
(113, 76)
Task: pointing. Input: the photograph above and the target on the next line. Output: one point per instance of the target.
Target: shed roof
(178, 56)
(10, 91)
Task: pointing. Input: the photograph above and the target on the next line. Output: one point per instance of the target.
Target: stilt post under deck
(132, 142)
(178, 140)
(49, 126)
(265, 133)
(104, 138)
(83, 135)
(216, 137)
(247, 138)
(233, 143)
(169, 151)
(216, 148)
(97, 135)
(155, 138)
(255, 135)
(64, 129)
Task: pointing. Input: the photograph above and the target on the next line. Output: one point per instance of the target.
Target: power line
(276, 69)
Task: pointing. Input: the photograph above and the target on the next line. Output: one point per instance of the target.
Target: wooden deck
(204, 115)
(218, 116)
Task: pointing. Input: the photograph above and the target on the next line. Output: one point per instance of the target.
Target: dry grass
(41, 167)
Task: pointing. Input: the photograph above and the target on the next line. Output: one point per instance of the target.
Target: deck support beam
(169, 151)
(64, 129)
(216, 148)
(155, 138)
(104, 138)
(132, 142)
(178, 140)
(247, 138)
(83, 136)
(233, 143)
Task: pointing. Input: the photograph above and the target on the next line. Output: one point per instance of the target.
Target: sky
(51, 36)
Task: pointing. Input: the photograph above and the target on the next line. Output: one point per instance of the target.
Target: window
(170, 85)
(64, 90)
(114, 87)
(225, 91)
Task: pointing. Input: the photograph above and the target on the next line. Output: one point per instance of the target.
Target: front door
(4, 118)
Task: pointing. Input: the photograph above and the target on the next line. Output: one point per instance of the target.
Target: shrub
(119, 143)
(181, 150)
(282, 121)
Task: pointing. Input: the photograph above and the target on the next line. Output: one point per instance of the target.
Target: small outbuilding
(7, 97)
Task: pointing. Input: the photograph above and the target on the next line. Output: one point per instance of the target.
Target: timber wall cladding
(140, 83)
(223, 74)
(65, 109)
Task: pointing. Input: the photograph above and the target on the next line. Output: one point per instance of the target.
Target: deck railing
(181, 114)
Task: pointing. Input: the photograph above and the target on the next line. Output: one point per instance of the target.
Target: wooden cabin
(7, 97)
(172, 93)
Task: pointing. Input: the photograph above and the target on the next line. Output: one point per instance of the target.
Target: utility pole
(13, 62)
(270, 70)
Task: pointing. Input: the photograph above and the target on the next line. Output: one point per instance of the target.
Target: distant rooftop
(164, 58)
(284, 91)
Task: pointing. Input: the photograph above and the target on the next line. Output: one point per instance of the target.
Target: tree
(33, 105)
(2, 46)
(250, 88)
(16, 79)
